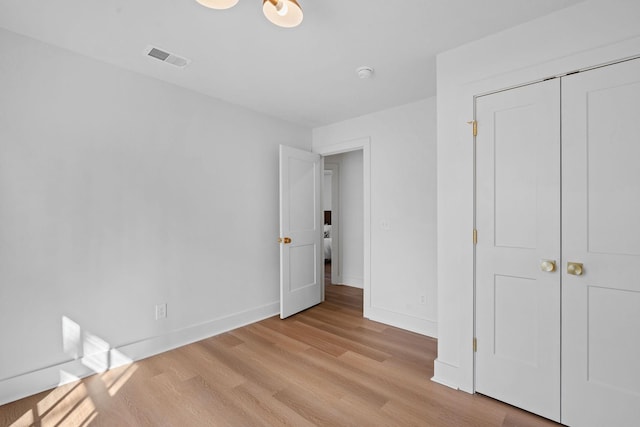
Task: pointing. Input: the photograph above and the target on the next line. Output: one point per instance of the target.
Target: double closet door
(558, 251)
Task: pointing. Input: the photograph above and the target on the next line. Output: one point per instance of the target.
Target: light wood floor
(326, 366)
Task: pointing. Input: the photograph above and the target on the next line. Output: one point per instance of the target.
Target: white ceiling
(305, 75)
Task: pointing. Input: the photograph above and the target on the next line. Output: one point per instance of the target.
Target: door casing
(363, 144)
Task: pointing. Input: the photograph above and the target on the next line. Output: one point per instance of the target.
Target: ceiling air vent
(167, 57)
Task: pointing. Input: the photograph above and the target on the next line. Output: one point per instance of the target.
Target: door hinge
(474, 123)
(475, 345)
(475, 236)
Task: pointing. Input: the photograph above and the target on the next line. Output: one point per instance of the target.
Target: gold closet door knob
(285, 240)
(574, 268)
(548, 265)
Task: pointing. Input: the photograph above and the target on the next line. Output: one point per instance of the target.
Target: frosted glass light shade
(218, 4)
(283, 13)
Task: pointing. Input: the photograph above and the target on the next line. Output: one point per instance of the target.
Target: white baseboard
(445, 374)
(351, 281)
(39, 380)
(410, 323)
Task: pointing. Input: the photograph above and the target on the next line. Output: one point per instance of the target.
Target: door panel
(613, 206)
(518, 223)
(300, 206)
(612, 318)
(601, 229)
(516, 302)
(515, 189)
(301, 187)
(303, 257)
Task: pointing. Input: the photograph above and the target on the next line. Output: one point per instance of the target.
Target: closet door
(601, 231)
(518, 223)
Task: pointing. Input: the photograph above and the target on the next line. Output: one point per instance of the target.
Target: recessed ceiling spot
(365, 72)
(167, 57)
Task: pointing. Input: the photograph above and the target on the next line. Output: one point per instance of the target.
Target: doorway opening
(343, 220)
(331, 220)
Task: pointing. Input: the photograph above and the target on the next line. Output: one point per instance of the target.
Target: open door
(301, 278)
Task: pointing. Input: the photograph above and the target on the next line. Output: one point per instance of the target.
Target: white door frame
(363, 144)
(333, 169)
(470, 368)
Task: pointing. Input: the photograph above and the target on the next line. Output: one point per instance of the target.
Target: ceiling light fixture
(283, 13)
(218, 4)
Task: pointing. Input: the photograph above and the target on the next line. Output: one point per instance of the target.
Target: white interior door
(601, 230)
(301, 250)
(518, 223)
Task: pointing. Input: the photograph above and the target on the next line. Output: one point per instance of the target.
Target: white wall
(403, 210)
(591, 33)
(326, 191)
(351, 217)
(119, 192)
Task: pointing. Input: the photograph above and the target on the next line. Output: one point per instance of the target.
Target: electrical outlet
(423, 299)
(161, 311)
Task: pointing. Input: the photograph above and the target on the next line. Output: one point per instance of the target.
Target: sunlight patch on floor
(71, 403)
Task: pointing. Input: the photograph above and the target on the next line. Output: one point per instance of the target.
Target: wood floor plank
(316, 370)
(357, 382)
(376, 345)
(290, 328)
(323, 412)
(274, 411)
(278, 339)
(251, 367)
(287, 365)
(323, 331)
(326, 366)
(212, 368)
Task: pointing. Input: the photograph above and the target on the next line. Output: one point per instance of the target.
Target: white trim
(363, 144)
(320, 257)
(355, 282)
(336, 263)
(448, 374)
(410, 323)
(33, 382)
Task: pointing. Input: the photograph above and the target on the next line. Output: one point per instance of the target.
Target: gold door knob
(285, 240)
(574, 268)
(548, 265)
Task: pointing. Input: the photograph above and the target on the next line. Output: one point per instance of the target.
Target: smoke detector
(167, 57)
(365, 72)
